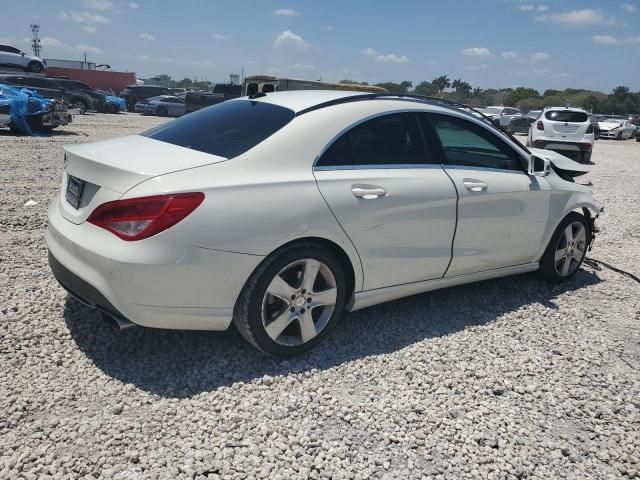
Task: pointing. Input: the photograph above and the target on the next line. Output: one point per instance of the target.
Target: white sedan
(280, 212)
(616, 128)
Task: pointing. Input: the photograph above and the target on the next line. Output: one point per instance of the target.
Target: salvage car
(568, 131)
(279, 212)
(29, 112)
(163, 106)
(98, 100)
(616, 128)
(49, 88)
(502, 115)
(15, 58)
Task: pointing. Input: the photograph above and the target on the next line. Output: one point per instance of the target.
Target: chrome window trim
(482, 169)
(390, 166)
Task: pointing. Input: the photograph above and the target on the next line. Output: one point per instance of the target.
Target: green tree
(353, 82)
(393, 87)
(425, 88)
(549, 92)
(514, 97)
(620, 92)
(442, 82)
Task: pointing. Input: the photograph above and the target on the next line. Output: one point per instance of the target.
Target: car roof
(298, 100)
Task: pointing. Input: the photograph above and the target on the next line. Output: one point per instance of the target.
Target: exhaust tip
(120, 323)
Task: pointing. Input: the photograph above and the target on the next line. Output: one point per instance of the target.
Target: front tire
(35, 67)
(567, 249)
(292, 301)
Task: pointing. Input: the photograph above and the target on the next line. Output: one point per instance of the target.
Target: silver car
(163, 106)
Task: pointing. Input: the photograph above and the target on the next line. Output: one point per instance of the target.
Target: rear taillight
(139, 218)
(590, 128)
(540, 126)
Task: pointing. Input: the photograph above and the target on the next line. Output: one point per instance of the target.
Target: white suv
(16, 58)
(567, 131)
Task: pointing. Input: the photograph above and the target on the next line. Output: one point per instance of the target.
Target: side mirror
(540, 167)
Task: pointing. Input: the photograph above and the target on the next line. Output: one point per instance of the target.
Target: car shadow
(180, 364)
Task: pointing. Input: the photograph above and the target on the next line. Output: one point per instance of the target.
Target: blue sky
(490, 43)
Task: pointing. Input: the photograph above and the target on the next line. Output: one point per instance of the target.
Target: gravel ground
(510, 378)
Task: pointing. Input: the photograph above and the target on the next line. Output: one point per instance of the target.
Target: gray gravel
(511, 378)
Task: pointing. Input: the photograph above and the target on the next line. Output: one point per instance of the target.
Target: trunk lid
(108, 169)
(566, 125)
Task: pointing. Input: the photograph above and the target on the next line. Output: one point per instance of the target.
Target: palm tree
(442, 82)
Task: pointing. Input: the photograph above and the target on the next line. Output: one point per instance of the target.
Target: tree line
(620, 101)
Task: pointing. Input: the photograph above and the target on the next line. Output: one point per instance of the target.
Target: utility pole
(36, 44)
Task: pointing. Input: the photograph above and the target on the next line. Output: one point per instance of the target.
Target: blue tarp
(24, 103)
(116, 101)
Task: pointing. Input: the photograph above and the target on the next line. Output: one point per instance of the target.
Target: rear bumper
(160, 282)
(578, 151)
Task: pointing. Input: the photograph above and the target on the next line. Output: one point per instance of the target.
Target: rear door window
(387, 140)
(566, 116)
(227, 129)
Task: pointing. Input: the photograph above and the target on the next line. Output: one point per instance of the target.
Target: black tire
(35, 67)
(548, 267)
(619, 136)
(586, 157)
(80, 104)
(248, 312)
(162, 111)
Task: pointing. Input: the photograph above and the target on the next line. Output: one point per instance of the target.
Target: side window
(466, 144)
(338, 154)
(393, 139)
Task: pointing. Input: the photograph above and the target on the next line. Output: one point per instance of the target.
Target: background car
(617, 128)
(596, 127)
(502, 115)
(16, 58)
(98, 103)
(50, 88)
(280, 212)
(163, 106)
(179, 92)
(134, 93)
(565, 130)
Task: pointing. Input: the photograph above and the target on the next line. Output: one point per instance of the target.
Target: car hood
(608, 125)
(560, 161)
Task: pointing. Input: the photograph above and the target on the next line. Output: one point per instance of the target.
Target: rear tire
(162, 111)
(309, 289)
(586, 157)
(566, 250)
(619, 136)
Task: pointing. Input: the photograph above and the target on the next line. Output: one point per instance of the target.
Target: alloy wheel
(298, 302)
(570, 249)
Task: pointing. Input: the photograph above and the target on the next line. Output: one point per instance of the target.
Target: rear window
(227, 129)
(566, 116)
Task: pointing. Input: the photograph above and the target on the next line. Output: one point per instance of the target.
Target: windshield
(613, 120)
(492, 110)
(227, 129)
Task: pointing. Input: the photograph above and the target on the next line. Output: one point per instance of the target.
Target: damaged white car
(281, 211)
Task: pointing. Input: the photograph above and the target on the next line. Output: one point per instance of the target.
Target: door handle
(368, 192)
(475, 185)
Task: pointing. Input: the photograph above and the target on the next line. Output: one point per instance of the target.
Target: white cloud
(542, 8)
(84, 17)
(221, 36)
(576, 18)
(289, 39)
(52, 42)
(539, 56)
(302, 66)
(147, 36)
(88, 49)
(98, 4)
(89, 29)
(509, 55)
(286, 12)
(327, 28)
(629, 8)
(480, 52)
(133, 5)
(633, 40)
(385, 58)
(526, 8)
(605, 39)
